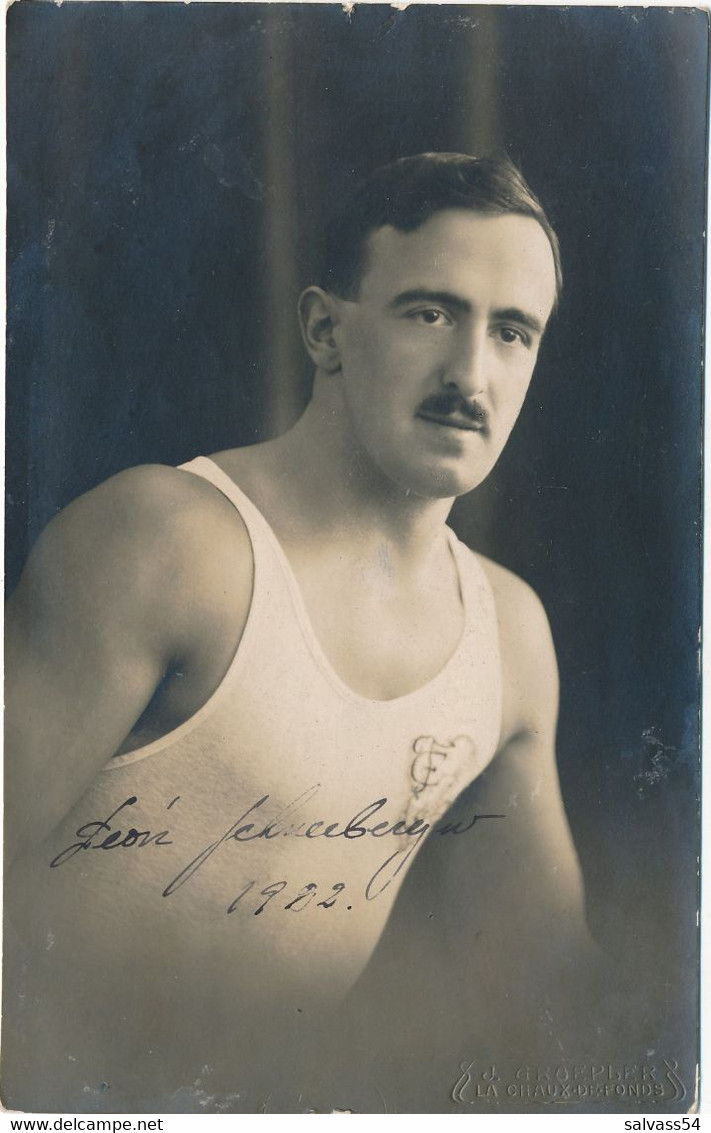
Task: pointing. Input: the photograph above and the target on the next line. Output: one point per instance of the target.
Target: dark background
(169, 168)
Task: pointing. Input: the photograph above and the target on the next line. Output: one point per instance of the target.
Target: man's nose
(468, 368)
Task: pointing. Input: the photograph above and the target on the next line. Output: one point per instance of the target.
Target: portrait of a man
(352, 700)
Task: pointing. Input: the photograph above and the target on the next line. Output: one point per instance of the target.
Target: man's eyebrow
(516, 315)
(422, 294)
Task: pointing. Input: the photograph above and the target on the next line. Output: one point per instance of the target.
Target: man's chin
(445, 484)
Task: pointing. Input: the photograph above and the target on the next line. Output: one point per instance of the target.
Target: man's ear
(318, 318)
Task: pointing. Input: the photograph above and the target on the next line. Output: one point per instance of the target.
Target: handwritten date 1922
(297, 904)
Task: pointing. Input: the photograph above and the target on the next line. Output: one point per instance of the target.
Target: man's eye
(431, 317)
(511, 335)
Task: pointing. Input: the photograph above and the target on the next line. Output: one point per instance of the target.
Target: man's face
(438, 350)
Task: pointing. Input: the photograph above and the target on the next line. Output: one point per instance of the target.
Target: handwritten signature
(100, 834)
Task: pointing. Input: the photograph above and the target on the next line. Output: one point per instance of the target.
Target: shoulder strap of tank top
(477, 594)
(208, 470)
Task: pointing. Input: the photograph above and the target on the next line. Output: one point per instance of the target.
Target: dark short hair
(409, 191)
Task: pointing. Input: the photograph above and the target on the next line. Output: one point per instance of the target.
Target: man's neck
(322, 483)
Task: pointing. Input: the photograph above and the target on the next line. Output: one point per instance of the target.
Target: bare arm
(495, 916)
(511, 892)
(530, 857)
(113, 593)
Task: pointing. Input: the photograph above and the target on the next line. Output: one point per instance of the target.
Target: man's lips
(453, 421)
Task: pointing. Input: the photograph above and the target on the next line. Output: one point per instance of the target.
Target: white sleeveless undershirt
(282, 741)
(281, 692)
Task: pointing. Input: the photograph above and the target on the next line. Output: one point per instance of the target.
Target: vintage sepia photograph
(353, 558)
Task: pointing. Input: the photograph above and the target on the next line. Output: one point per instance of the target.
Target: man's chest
(384, 639)
(381, 642)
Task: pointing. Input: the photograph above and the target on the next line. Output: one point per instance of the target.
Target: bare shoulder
(148, 570)
(149, 498)
(151, 542)
(519, 609)
(528, 661)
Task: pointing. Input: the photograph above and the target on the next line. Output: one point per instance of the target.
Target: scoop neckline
(304, 619)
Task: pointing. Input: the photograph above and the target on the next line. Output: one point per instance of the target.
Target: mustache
(451, 402)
